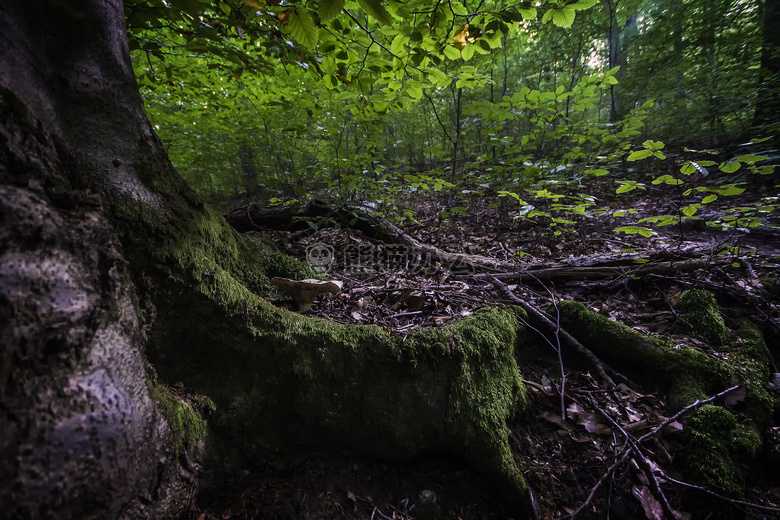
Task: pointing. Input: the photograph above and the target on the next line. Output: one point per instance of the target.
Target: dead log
(567, 272)
(370, 223)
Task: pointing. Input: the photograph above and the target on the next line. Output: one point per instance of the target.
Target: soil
(563, 459)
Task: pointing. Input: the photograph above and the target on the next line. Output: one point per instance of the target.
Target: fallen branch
(601, 369)
(721, 497)
(567, 272)
(654, 474)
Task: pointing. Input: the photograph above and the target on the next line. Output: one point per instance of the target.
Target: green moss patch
(186, 424)
(700, 311)
(718, 448)
(708, 452)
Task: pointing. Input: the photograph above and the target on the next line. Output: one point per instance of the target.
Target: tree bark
(81, 436)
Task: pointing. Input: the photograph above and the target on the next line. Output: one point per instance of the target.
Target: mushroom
(304, 291)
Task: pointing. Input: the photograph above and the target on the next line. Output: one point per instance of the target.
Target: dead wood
(370, 223)
(604, 372)
(363, 218)
(568, 272)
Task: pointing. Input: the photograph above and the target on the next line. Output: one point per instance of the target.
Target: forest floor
(562, 459)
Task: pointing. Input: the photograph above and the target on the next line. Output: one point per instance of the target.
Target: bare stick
(727, 499)
(682, 412)
(600, 368)
(623, 456)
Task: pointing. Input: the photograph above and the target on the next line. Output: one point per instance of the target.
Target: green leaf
(458, 9)
(302, 27)
(729, 190)
(661, 220)
(562, 17)
(376, 10)
(414, 92)
(667, 179)
(688, 168)
(639, 155)
(582, 4)
(330, 9)
(528, 14)
(467, 52)
(398, 47)
(752, 158)
(709, 198)
(626, 186)
(730, 167)
(635, 230)
(451, 52)
(598, 172)
(653, 145)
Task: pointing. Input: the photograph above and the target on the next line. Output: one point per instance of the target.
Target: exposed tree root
(604, 372)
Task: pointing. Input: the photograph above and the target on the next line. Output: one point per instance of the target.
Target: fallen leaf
(652, 507)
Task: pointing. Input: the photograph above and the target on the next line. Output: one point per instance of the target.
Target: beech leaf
(302, 27)
(330, 9)
(376, 10)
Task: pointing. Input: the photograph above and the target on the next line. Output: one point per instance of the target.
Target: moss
(439, 390)
(709, 434)
(771, 285)
(718, 449)
(747, 440)
(687, 373)
(771, 451)
(187, 426)
(750, 364)
(700, 311)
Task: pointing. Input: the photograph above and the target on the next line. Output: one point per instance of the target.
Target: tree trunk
(80, 434)
(108, 257)
(768, 102)
(249, 174)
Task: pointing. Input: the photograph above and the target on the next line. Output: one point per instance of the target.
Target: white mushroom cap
(304, 291)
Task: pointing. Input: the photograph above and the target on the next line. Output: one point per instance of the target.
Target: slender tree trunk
(613, 46)
(766, 119)
(249, 174)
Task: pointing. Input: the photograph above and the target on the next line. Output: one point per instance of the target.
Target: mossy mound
(708, 452)
(700, 311)
(718, 447)
(188, 427)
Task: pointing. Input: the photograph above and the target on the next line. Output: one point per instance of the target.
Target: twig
(594, 490)
(632, 446)
(716, 495)
(641, 460)
(600, 368)
(682, 412)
